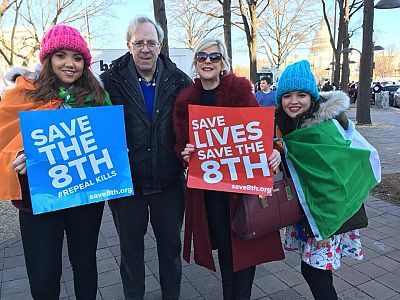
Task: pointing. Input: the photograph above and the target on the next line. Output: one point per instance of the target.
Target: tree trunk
(226, 7)
(251, 32)
(336, 74)
(253, 41)
(161, 18)
(346, 43)
(345, 70)
(363, 115)
(342, 34)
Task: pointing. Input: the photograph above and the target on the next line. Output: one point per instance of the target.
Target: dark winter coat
(153, 162)
(233, 92)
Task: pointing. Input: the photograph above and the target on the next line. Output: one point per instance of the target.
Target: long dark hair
(47, 87)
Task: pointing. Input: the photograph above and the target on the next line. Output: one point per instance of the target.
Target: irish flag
(333, 170)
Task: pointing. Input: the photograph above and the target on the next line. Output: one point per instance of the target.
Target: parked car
(396, 98)
(391, 88)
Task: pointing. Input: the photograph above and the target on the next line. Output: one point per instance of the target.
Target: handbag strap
(279, 141)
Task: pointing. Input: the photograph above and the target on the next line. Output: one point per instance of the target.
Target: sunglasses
(215, 57)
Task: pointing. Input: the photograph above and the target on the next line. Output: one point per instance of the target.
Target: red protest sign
(232, 149)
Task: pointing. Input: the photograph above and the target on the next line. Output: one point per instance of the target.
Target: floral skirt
(327, 258)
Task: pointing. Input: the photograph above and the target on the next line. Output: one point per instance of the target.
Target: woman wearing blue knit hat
(332, 175)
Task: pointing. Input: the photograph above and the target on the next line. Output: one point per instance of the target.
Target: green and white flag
(333, 170)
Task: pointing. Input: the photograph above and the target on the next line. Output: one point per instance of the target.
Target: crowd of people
(155, 95)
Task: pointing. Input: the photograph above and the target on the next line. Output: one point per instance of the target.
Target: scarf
(13, 101)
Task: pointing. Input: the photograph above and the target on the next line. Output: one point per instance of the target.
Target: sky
(386, 29)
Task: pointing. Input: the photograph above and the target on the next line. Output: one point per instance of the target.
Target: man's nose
(145, 48)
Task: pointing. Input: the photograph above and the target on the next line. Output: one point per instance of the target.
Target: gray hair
(208, 42)
(134, 24)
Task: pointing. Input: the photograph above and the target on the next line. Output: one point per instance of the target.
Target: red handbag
(256, 216)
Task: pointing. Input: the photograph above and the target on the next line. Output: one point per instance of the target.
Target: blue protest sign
(75, 156)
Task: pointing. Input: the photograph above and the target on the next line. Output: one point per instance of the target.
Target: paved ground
(376, 277)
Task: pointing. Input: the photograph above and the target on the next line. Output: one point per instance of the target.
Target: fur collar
(233, 91)
(331, 104)
(19, 71)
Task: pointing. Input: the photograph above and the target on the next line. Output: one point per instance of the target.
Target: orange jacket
(13, 101)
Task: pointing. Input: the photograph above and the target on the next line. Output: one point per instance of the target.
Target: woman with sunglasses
(209, 213)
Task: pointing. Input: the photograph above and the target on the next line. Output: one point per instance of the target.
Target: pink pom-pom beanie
(62, 36)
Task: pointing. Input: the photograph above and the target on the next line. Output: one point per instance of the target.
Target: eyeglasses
(215, 57)
(151, 45)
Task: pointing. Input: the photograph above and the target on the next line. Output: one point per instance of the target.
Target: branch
(355, 7)
(5, 5)
(332, 41)
(263, 10)
(351, 32)
(245, 22)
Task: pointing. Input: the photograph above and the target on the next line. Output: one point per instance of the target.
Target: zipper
(170, 84)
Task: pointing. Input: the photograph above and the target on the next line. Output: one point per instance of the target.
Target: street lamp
(348, 50)
(386, 4)
(374, 48)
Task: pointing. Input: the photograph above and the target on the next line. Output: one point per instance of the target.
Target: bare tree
(4, 8)
(250, 14)
(212, 8)
(23, 22)
(161, 18)
(227, 13)
(347, 8)
(191, 24)
(385, 63)
(363, 115)
(286, 25)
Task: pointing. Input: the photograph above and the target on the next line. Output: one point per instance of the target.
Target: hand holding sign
(19, 164)
(275, 159)
(187, 152)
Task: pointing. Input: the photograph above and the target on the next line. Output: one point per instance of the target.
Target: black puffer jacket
(154, 165)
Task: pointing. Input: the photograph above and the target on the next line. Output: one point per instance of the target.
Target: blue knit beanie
(297, 77)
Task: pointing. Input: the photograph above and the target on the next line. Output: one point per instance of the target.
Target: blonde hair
(208, 42)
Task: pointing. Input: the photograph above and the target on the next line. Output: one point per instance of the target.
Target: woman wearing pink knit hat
(65, 81)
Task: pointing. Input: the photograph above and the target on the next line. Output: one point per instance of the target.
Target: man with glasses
(146, 83)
